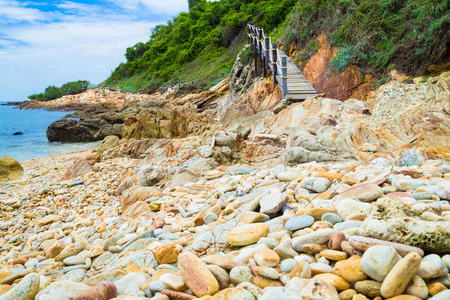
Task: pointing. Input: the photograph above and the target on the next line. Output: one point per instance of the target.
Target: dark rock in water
(18, 133)
(83, 130)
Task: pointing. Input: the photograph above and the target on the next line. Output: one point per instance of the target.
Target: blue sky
(46, 43)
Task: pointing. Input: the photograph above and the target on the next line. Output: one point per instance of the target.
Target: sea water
(33, 143)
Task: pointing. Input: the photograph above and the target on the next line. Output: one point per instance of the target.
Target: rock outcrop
(10, 169)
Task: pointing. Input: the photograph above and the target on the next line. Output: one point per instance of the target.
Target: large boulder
(391, 220)
(83, 130)
(306, 147)
(10, 169)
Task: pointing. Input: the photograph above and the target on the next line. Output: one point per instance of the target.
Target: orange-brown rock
(196, 275)
(336, 239)
(174, 295)
(77, 169)
(264, 282)
(348, 84)
(166, 253)
(350, 269)
(105, 290)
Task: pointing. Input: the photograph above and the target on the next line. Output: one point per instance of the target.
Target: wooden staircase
(293, 84)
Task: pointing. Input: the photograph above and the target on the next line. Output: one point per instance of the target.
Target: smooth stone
(166, 253)
(304, 270)
(299, 222)
(233, 294)
(74, 260)
(333, 254)
(26, 289)
(369, 288)
(157, 286)
(350, 269)
(267, 258)
(247, 234)
(128, 283)
(288, 265)
(378, 260)
(243, 257)
(264, 282)
(273, 202)
(249, 217)
(316, 184)
(75, 275)
(348, 207)
(446, 260)
(444, 295)
(112, 241)
(221, 276)
(288, 176)
(432, 269)
(443, 190)
(435, 288)
(72, 268)
(364, 243)
(365, 192)
(312, 288)
(172, 281)
(241, 274)
(338, 282)
(196, 275)
(417, 287)
(63, 289)
(332, 218)
(321, 236)
(284, 293)
(397, 279)
(270, 273)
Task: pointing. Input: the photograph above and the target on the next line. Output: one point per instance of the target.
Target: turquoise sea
(33, 142)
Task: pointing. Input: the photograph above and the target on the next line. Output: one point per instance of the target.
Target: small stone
(288, 176)
(336, 240)
(444, 295)
(302, 270)
(267, 272)
(320, 236)
(173, 281)
(112, 241)
(397, 279)
(378, 260)
(264, 282)
(221, 276)
(267, 258)
(338, 282)
(364, 192)
(62, 289)
(249, 217)
(280, 293)
(49, 219)
(247, 234)
(316, 184)
(299, 222)
(347, 294)
(26, 289)
(432, 269)
(350, 269)
(349, 207)
(196, 275)
(333, 254)
(241, 274)
(332, 218)
(288, 265)
(435, 288)
(273, 202)
(417, 287)
(233, 293)
(166, 253)
(369, 288)
(321, 268)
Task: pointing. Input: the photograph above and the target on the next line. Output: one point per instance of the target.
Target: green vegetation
(68, 88)
(375, 34)
(200, 45)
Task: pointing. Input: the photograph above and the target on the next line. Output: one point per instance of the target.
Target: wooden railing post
(267, 54)
(284, 75)
(274, 63)
(255, 50)
(260, 37)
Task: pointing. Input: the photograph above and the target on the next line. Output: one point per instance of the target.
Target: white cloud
(169, 7)
(14, 11)
(80, 41)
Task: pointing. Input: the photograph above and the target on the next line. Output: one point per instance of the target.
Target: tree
(53, 92)
(75, 87)
(192, 3)
(136, 51)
